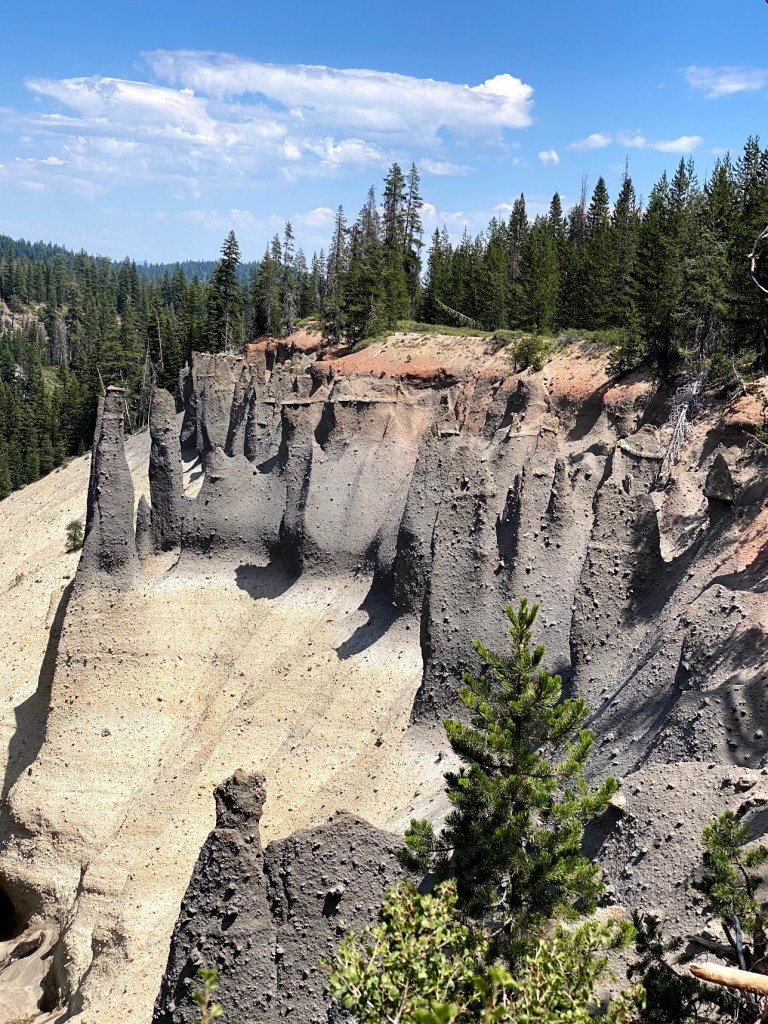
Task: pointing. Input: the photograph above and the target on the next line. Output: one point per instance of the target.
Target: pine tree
(364, 296)
(625, 225)
(333, 312)
(731, 885)
(437, 284)
(572, 275)
(659, 278)
(493, 310)
(517, 232)
(223, 305)
(288, 283)
(514, 837)
(598, 261)
(412, 242)
(394, 202)
(538, 282)
(748, 312)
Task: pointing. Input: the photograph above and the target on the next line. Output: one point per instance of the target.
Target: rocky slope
(322, 545)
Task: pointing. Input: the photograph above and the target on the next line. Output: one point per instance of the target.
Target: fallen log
(720, 948)
(731, 977)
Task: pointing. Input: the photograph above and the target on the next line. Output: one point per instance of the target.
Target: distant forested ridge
(663, 280)
(200, 269)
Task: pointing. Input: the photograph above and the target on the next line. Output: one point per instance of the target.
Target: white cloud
(250, 226)
(442, 168)
(549, 156)
(320, 217)
(325, 158)
(715, 82)
(218, 117)
(681, 145)
(357, 101)
(134, 106)
(597, 140)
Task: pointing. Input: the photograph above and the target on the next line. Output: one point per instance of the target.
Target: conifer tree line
(73, 324)
(664, 277)
(667, 276)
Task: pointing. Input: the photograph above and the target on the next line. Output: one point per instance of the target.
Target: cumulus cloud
(715, 82)
(597, 140)
(359, 101)
(549, 156)
(681, 145)
(218, 117)
(320, 217)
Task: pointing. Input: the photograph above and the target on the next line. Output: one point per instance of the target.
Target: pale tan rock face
(124, 702)
(159, 693)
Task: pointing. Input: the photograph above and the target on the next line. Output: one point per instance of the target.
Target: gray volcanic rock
(109, 548)
(322, 882)
(265, 920)
(224, 921)
(165, 473)
(719, 484)
(232, 514)
(208, 391)
(144, 544)
(651, 856)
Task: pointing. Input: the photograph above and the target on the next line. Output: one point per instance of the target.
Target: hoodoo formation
(317, 543)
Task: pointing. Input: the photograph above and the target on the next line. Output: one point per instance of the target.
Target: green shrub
(673, 997)
(721, 374)
(529, 351)
(209, 1010)
(607, 336)
(501, 339)
(74, 535)
(627, 353)
(423, 965)
(730, 882)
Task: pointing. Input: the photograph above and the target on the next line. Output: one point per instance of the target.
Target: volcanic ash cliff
(316, 546)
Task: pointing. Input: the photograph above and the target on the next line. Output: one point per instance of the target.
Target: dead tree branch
(683, 406)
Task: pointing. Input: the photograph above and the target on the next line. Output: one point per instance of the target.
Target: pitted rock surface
(265, 920)
(360, 520)
(109, 549)
(165, 473)
(719, 483)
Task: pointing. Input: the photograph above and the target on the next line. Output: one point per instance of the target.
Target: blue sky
(151, 129)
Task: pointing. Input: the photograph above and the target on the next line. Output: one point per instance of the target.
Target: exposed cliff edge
(358, 522)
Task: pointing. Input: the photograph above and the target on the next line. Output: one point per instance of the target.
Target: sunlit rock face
(318, 545)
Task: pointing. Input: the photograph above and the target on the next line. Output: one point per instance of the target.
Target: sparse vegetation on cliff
(423, 964)
(74, 535)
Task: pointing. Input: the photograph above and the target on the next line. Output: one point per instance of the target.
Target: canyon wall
(298, 599)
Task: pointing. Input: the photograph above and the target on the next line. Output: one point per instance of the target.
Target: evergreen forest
(665, 281)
